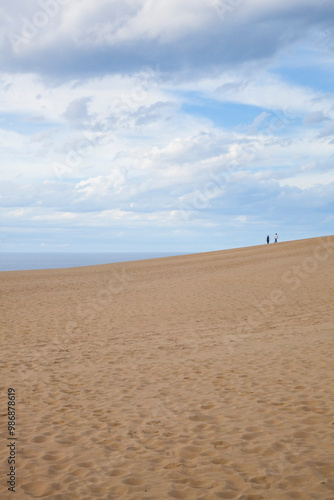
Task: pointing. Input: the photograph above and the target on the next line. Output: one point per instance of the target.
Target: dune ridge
(204, 376)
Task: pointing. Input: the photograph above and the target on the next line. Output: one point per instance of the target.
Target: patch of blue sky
(316, 78)
(277, 123)
(222, 114)
(306, 66)
(25, 125)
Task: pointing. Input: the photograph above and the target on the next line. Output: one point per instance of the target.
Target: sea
(21, 261)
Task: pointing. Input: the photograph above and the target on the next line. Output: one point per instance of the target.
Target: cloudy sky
(165, 125)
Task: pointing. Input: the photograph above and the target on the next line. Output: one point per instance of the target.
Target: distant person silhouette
(268, 239)
(276, 237)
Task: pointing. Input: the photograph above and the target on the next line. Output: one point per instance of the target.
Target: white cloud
(267, 91)
(315, 117)
(77, 112)
(328, 130)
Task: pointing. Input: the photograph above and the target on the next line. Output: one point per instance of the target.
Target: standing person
(268, 239)
(276, 237)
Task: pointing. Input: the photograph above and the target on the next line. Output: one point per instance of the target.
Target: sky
(165, 125)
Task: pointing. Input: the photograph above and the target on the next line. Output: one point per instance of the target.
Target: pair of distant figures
(275, 238)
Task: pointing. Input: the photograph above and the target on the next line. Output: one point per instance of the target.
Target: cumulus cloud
(77, 112)
(328, 130)
(314, 118)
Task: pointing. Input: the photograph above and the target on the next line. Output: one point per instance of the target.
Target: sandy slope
(204, 377)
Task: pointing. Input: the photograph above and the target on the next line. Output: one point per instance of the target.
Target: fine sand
(203, 376)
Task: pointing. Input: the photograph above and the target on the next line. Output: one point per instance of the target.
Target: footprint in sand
(222, 445)
(37, 489)
(172, 465)
(228, 494)
(183, 494)
(39, 439)
(261, 481)
(50, 456)
(132, 481)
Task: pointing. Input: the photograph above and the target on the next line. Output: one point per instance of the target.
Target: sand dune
(205, 376)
